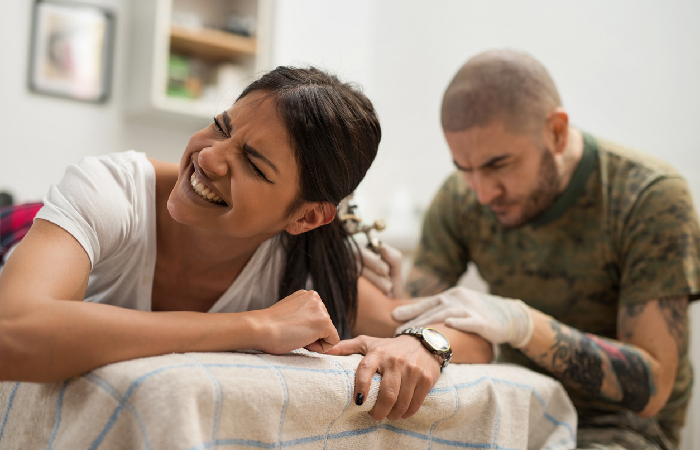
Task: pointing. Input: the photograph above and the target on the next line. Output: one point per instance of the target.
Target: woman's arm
(408, 369)
(48, 333)
(374, 319)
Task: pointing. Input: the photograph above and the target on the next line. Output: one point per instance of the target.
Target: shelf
(210, 43)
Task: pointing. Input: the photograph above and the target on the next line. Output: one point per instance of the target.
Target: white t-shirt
(108, 203)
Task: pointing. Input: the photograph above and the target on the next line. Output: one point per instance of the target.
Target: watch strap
(443, 356)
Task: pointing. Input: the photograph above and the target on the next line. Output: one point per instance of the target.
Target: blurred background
(627, 71)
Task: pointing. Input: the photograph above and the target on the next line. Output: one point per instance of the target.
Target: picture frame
(71, 51)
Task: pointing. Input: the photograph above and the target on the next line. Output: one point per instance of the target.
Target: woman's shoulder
(102, 200)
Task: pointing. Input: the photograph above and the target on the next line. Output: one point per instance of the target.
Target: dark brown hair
(335, 134)
(500, 84)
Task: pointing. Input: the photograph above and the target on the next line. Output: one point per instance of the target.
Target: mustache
(501, 201)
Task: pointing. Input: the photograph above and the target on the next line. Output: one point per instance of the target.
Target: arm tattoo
(631, 372)
(675, 313)
(627, 320)
(579, 360)
(575, 359)
(422, 284)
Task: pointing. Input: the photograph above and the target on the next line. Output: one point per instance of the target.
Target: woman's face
(245, 160)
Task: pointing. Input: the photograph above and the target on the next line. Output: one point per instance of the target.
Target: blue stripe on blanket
(9, 405)
(59, 406)
(286, 400)
(348, 402)
(219, 397)
(342, 435)
(105, 386)
(123, 401)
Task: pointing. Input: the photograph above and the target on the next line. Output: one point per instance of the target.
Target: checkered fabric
(15, 221)
(300, 400)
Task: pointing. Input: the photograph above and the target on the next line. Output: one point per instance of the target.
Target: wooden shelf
(210, 43)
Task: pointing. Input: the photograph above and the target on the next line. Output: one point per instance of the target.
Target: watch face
(436, 339)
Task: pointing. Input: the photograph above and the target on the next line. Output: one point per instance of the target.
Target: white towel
(300, 400)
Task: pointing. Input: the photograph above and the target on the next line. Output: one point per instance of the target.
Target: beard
(544, 194)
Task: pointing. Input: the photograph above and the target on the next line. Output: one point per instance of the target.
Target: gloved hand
(498, 320)
(384, 270)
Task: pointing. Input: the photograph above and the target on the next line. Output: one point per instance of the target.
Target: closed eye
(259, 173)
(219, 129)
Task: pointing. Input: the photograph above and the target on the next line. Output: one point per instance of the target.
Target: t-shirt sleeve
(661, 245)
(442, 251)
(95, 203)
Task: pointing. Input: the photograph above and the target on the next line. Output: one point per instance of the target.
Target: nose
(212, 160)
(487, 188)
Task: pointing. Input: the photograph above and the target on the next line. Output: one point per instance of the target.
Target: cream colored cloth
(300, 400)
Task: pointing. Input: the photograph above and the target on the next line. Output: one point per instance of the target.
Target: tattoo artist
(590, 251)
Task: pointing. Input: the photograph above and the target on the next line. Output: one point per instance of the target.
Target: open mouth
(203, 191)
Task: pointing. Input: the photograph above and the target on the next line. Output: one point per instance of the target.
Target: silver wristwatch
(434, 341)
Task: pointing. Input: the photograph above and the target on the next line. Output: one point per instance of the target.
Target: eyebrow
(227, 121)
(256, 154)
(490, 163)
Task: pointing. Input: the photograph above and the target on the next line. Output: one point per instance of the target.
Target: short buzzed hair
(499, 84)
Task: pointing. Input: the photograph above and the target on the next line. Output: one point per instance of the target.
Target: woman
(246, 219)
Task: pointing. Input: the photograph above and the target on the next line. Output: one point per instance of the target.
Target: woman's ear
(310, 216)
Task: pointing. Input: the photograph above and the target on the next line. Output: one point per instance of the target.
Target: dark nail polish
(359, 399)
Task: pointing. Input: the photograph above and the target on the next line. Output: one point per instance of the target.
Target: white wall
(41, 135)
(627, 70)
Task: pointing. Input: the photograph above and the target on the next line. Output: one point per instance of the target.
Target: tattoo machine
(353, 224)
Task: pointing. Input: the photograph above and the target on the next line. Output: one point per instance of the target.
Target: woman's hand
(408, 371)
(299, 320)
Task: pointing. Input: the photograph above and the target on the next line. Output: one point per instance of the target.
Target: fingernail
(359, 399)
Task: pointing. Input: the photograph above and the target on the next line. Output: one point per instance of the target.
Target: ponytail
(324, 256)
(335, 133)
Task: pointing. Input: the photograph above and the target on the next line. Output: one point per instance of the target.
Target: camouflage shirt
(623, 232)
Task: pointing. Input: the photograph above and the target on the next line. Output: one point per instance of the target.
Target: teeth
(203, 191)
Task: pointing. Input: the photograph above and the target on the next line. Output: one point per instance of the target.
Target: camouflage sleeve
(442, 251)
(660, 247)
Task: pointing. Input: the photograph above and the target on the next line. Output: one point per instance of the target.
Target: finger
(363, 377)
(406, 393)
(320, 346)
(315, 347)
(419, 395)
(436, 315)
(389, 390)
(329, 335)
(382, 283)
(406, 312)
(374, 262)
(390, 254)
(331, 338)
(468, 324)
(348, 347)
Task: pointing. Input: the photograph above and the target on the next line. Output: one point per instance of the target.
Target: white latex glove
(384, 270)
(498, 320)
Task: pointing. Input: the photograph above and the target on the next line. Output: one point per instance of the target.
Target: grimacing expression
(511, 173)
(245, 158)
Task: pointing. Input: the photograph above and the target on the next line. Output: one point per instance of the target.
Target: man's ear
(310, 216)
(557, 130)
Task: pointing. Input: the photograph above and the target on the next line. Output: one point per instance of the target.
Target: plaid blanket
(15, 221)
(300, 400)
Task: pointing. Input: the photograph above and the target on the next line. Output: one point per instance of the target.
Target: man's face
(511, 173)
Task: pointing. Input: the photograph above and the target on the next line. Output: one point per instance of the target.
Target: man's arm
(636, 372)
(422, 283)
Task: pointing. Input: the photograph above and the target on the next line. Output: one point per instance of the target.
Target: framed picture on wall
(71, 51)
